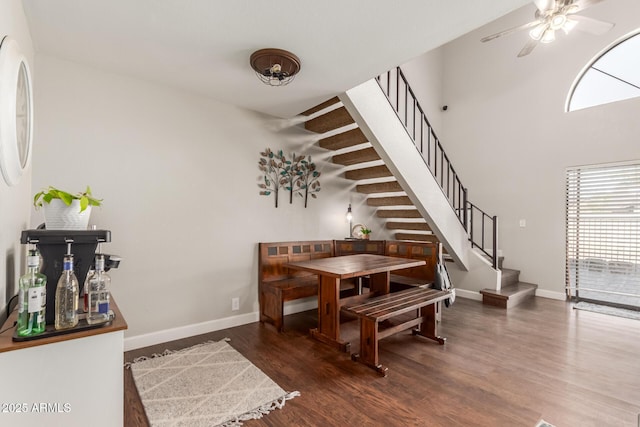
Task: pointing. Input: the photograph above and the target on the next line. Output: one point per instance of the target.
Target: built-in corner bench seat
(278, 284)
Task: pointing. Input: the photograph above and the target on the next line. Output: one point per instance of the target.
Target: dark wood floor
(541, 359)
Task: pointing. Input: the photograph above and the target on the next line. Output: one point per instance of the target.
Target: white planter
(58, 216)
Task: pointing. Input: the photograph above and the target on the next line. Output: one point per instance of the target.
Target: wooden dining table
(331, 271)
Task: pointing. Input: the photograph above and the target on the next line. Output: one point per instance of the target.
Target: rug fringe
(168, 352)
(260, 411)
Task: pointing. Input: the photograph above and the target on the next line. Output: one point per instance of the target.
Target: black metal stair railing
(476, 222)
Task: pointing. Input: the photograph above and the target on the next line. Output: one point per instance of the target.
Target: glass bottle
(32, 298)
(98, 284)
(67, 296)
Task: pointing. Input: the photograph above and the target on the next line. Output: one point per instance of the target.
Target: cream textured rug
(208, 385)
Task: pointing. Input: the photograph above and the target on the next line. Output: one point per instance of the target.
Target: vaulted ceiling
(203, 46)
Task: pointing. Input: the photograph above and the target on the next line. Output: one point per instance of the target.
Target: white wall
(508, 137)
(425, 76)
(178, 174)
(14, 201)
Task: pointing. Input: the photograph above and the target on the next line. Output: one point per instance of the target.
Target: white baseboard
(159, 337)
(152, 338)
(551, 294)
(463, 293)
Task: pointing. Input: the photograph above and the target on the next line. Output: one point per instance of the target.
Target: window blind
(603, 233)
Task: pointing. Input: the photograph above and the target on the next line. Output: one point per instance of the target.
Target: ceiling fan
(554, 15)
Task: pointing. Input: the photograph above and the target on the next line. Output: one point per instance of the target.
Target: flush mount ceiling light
(275, 67)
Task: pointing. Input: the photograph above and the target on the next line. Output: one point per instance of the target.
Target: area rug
(210, 384)
(605, 309)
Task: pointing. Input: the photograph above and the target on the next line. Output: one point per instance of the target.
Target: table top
(344, 267)
(7, 344)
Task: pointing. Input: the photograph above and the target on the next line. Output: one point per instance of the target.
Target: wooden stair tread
(398, 213)
(509, 296)
(321, 106)
(511, 290)
(422, 226)
(379, 187)
(381, 171)
(354, 157)
(343, 140)
(417, 237)
(334, 119)
(389, 201)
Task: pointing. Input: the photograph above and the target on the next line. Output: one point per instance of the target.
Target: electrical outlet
(523, 223)
(235, 304)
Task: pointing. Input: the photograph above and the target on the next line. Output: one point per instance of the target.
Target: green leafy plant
(365, 230)
(48, 194)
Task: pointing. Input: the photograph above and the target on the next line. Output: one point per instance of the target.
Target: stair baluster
(441, 168)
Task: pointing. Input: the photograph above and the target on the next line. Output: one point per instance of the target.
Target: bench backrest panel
(351, 247)
(273, 255)
(426, 251)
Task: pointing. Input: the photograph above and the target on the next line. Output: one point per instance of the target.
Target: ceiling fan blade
(583, 4)
(592, 26)
(511, 30)
(544, 5)
(528, 48)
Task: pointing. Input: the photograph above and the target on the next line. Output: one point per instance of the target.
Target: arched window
(613, 75)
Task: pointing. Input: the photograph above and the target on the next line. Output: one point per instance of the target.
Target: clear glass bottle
(67, 296)
(32, 298)
(97, 286)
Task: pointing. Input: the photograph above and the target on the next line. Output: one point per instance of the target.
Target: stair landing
(509, 296)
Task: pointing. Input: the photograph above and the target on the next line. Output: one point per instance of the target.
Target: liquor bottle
(98, 284)
(32, 298)
(67, 296)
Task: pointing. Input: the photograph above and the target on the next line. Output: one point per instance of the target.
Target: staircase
(387, 196)
(351, 126)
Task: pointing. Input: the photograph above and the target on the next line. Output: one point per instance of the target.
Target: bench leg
(429, 326)
(272, 307)
(369, 346)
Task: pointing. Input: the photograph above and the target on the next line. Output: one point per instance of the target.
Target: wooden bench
(373, 312)
(415, 276)
(276, 284)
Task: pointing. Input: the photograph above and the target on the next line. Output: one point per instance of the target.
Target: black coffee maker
(54, 244)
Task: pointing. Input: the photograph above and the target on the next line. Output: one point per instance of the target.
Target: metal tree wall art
(308, 181)
(297, 176)
(271, 167)
(291, 173)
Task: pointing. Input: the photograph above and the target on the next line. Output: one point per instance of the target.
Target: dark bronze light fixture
(275, 67)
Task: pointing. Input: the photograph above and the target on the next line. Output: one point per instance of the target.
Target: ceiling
(203, 46)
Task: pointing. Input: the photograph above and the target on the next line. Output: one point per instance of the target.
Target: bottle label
(21, 301)
(35, 300)
(67, 265)
(33, 261)
(103, 307)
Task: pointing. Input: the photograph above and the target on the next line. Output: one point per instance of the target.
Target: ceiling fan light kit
(554, 15)
(275, 67)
